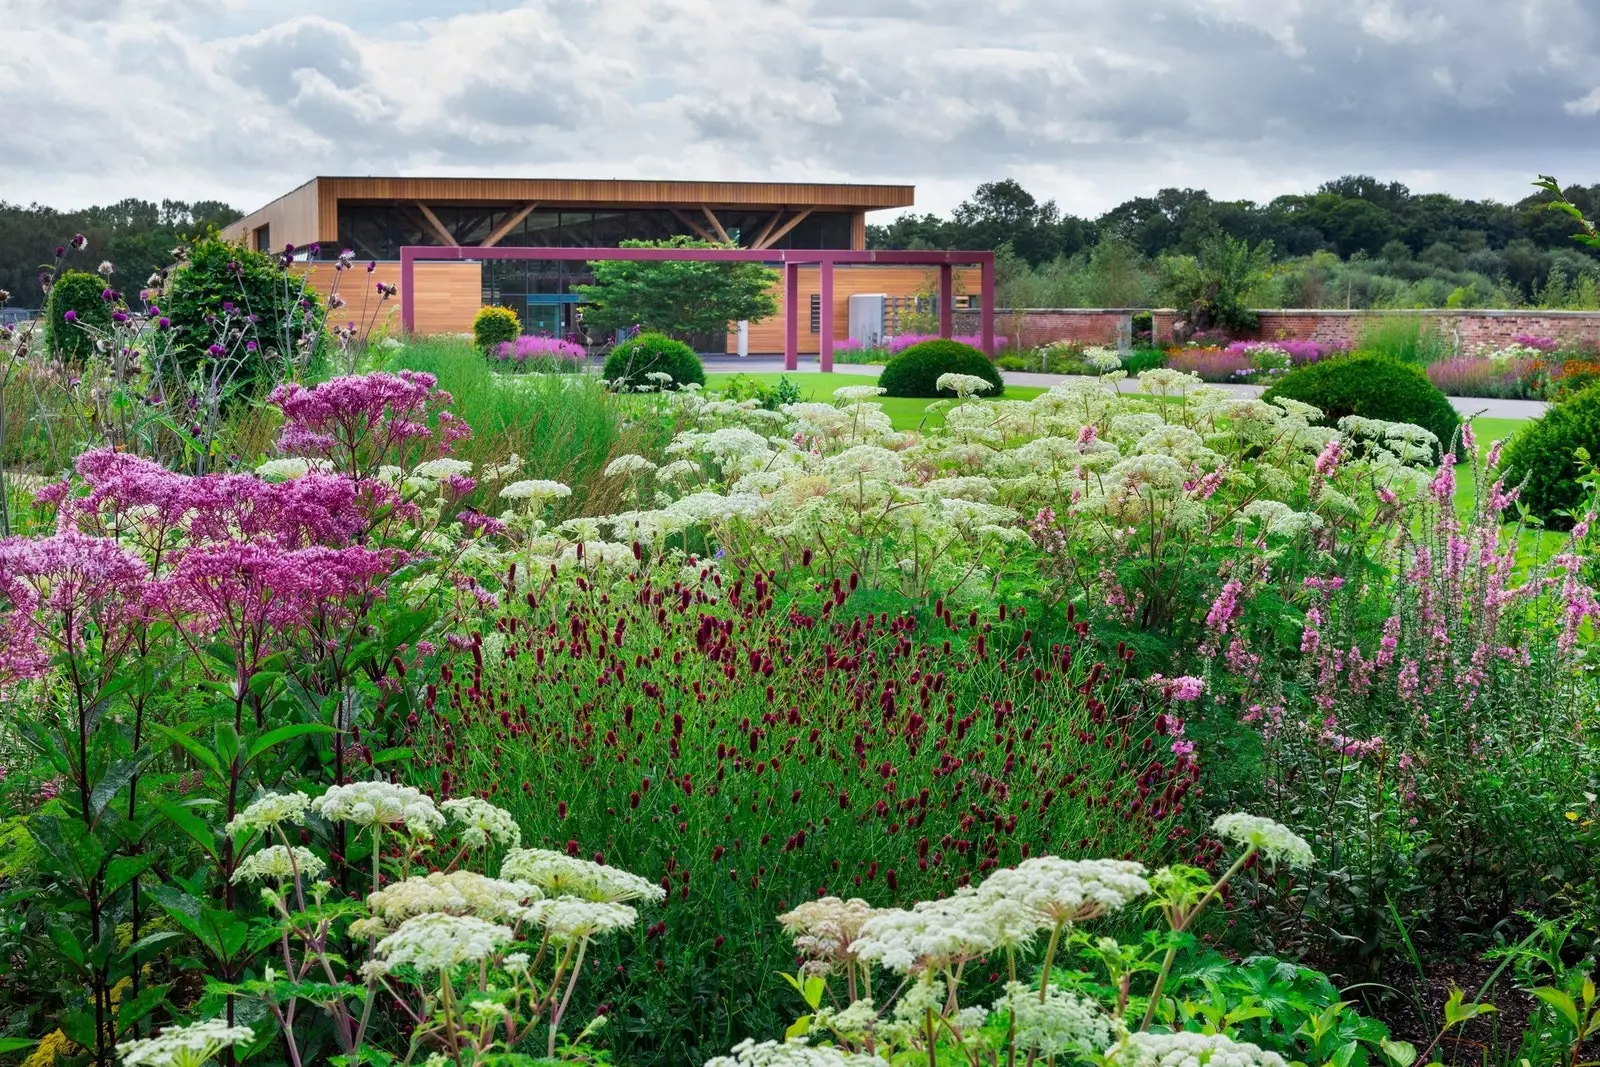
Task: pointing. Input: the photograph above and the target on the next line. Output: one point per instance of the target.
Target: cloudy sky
(1086, 101)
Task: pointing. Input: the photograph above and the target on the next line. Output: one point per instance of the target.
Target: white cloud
(1085, 101)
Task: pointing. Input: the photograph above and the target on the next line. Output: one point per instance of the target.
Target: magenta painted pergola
(790, 259)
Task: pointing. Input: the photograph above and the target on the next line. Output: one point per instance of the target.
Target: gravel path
(1466, 405)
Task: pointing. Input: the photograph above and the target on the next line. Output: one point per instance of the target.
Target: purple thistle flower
(70, 316)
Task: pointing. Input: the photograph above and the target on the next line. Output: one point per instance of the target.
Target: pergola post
(825, 288)
(408, 295)
(947, 297)
(986, 313)
(791, 317)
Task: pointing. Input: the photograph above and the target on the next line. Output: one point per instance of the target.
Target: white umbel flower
(456, 893)
(964, 385)
(1064, 1023)
(381, 804)
(482, 822)
(795, 1053)
(279, 863)
(857, 393)
(442, 942)
(628, 464)
(184, 1046)
(1063, 891)
(562, 875)
(935, 933)
(283, 470)
(1275, 841)
(269, 811)
(824, 929)
(568, 919)
(538, 489)
(1188, 1050)
(437, 470)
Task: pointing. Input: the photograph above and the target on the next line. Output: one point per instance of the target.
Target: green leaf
(228, 743)
(1399, 1053)
(390, 755)
(1456, 1012)
(197, 828)
(16, 1044)
(199, 751)
(1561, 1002)
(120, 774)
(151, 941)
(277, 737)
(124, 869)
(61, 937)
(799, 1028)
(131, 1009)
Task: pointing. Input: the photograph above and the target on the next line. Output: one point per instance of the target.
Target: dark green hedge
(648, 353)
(1542, 457)
(915, 372)
(1374, 387)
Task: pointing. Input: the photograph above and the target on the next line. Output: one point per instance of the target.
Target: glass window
(577, 229)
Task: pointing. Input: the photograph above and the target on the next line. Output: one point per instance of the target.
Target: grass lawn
(906, 413)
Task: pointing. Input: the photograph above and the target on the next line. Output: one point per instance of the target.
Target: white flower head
(824, 929)
(794, 1053)
(1186, 1049)
(283, 470)
(535, 489)
(184, 1046)
(628, 464)
(1274, 840)
(964, 385)
(482, 822)
(381, 804)
(456, 893)
(562, 875)
(268, 811)
(1064, 1024)
(567, 919)
(278, 863)
(437, 470)
(1064, 891)
(936, 933)
(442, 942)
(858, 393)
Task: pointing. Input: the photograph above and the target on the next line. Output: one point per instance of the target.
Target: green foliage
(1549, 456)
(218, 286)
(495, 325)
(915, 372)
(1219, 286)
(681, 298)
(79, 292)
(741, 387)
(1407, 338)
(632, 362)
(1374, 387)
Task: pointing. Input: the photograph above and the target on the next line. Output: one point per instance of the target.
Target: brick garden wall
(1470, 329)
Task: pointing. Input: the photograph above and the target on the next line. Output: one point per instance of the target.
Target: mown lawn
(905, 413)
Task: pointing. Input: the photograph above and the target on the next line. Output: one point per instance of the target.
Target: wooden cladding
(448, 296)
(766, 336)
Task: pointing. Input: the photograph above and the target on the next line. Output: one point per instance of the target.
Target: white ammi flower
(964, 385)
(628, 464)
(1063, 891)
(1274, 840)
(535, 489)
(456, 893)
(568, 919)
(824, 929)
(442, 942)
(563, 875)
(278, 863)
(856, 393)
(437, 470)
(482, 822)
(184, 1046)
(381, 804)
(269, 811)
(1188, 1050)
(794, 1053)
(283, 470)
(935, 933)
(1064, 1023)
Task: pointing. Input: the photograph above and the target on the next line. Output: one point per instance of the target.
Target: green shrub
(222, 283)
(743, 387)
(653, 353)
(1545, 454)
(1374, 387)
(916, 371)
(79, 292)
(1143, 359)
(495, 326)
(1406, 338)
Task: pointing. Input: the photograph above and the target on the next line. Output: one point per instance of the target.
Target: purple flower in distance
(80, 242)
(70, 316)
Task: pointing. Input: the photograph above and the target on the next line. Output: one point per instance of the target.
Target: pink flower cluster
(539, 349)
(361, 422)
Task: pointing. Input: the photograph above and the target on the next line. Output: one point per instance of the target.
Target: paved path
(1466, 405)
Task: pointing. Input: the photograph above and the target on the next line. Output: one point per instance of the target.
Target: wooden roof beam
(699, 230)
(711, 217)
(783, 231)
(510, 224)
(437, 226)
(777, 216)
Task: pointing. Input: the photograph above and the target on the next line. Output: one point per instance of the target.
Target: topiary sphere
(82, 294)
(915, 372)
(495, 326)
(1374, 387)
(1542, 457)
(653, 353)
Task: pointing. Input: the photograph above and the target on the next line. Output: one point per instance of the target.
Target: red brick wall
(1033, 327)
(1470, 329)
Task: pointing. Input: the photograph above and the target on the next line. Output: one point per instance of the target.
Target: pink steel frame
(790, 259)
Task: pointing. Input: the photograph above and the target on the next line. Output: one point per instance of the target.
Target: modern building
(376, 217)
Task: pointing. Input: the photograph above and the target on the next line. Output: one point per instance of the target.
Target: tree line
(135, 236)
(1355, 241)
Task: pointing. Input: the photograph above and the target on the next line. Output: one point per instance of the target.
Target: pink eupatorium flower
(1443, 486)
(75, 594)
(361, 422)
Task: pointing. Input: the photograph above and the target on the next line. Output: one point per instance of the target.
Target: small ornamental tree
(76, 307)
(679, 298)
